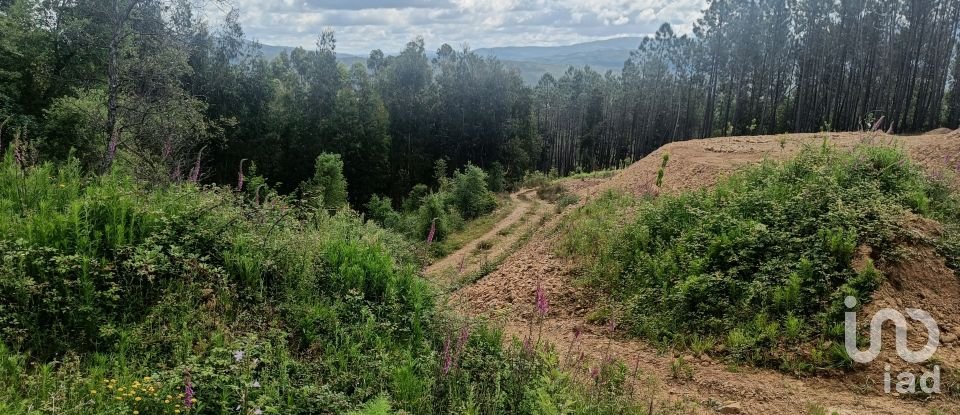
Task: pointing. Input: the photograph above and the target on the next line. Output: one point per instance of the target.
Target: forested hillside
(154, 84)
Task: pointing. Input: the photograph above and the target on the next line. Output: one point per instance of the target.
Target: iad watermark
(929, 382)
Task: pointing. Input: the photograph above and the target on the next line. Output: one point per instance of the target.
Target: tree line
(154, 87)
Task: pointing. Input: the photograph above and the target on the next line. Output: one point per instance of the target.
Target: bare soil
(918, 279)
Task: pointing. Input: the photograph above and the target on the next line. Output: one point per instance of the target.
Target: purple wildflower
(463, 261)
(238, 355)
(543, 304)
(433, 231)
(595, 372)
(240, 176)
(447, 356)
(463, 339)
(527, 345)
(876, 125)
(188, 395)
(195, 172)
(612, 325)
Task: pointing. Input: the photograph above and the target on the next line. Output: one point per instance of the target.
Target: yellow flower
(138, 399)
(169, 397)
(176, 411)
(135, 412)
(119, 398)
(146, 378)
(120, 389)
(166, 401)
(193, 400)
(109, 386)
(93, 391)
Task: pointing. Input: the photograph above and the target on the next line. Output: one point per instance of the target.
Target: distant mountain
(534, 61)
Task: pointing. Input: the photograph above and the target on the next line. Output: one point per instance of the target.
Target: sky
(363, 25)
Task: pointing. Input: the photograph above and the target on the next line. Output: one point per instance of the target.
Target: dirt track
(507, 294)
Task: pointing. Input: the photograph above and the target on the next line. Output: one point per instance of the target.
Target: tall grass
(116, 297)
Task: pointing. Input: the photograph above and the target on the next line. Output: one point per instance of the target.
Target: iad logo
(906, 381)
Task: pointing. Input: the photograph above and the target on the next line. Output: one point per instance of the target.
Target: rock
(948, 338)
(731, 408)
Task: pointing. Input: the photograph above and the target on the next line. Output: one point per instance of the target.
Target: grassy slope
(758, 265)
(115, 297)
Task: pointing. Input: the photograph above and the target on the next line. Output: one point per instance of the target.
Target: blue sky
(362, 25)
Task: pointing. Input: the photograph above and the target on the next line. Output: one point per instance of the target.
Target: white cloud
(362, 25)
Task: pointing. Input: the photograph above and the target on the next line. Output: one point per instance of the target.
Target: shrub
(380, 210)
(766, 250)
(497, 178)
(328, 187)
(106, 284)
(469, 193)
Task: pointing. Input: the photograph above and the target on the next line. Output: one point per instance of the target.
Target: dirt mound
(917, 279)
(701, 163)
(938, 131)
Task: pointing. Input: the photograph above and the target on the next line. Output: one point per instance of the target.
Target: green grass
(759, 264)
(106, 283)
(473, 229)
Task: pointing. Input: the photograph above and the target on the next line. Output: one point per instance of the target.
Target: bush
(380, 210)
(110, 290)
(469, 193)
(767, 248)
(328, 187)
(497, 178)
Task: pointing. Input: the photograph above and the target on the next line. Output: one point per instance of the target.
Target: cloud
(362, 25)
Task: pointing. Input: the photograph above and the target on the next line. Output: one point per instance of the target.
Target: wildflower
(543, 305)
(240, 176)
(136, 412)
(447, 356)
(195, 172)
(463, 339)
(527, 345)
(595, 372)
(612, 325)
(238, 355)
(188, 395)
(255, 384)
(463, 261)
(876, 125)
(176, 411)
(433, 231)
(138, 399)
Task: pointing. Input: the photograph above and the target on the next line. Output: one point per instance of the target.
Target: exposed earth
(527, 258)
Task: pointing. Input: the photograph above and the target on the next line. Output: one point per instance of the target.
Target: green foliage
(328, 187)
(497, 178)
(105, 284)
(760, 261)
(469, 193)
(380, 210)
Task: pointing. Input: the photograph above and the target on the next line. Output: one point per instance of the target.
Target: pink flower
(195, 172)
(543, 304)
(240, 176)
(433, 231)
(447, 356)
(188, 396)
(463, 339)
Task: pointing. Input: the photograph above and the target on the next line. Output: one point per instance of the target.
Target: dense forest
(153, 85)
